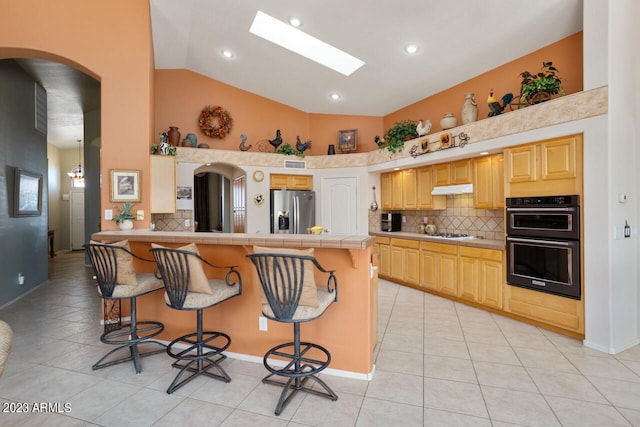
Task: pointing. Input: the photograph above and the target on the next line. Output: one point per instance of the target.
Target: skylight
(284, 35)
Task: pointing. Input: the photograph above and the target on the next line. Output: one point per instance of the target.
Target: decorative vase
(448, 121)
(193, 139)
(431, 228)
(469, 112)
(332, 149)
(174, 136)
(125, 224)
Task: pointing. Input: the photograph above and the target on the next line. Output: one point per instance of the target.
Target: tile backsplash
(459, 217)
(173, 221)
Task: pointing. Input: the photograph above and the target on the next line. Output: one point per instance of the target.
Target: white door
(76, 199)
(340, 204)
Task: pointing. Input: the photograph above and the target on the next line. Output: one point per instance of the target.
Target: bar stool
(187, 288)
(292, 297)
(113, 268)
(6, 339)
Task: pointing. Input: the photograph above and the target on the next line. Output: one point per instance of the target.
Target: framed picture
(445, 140)
(125, 185)
(27, 195)
(347, 140)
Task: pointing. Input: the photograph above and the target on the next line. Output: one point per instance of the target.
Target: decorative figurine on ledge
(277, 140)
(423, 127)
(243, 146)
(495, 107)
(302, 147)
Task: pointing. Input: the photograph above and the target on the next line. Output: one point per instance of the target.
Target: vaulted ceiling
(456, 41)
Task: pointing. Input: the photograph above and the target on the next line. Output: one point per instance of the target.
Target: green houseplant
(395, 136)
(539, 87)
(124, 218)
(287, 149)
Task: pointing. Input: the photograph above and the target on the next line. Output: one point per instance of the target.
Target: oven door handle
(535, 210)
(540, 242)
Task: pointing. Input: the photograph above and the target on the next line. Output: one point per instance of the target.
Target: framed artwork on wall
(125, 185)
(347, 140)
(27, 195)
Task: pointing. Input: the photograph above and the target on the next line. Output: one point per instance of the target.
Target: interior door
(76, 200)
(239, 207)
(340, 204)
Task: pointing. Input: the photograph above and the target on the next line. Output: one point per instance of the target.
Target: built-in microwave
(391, 221)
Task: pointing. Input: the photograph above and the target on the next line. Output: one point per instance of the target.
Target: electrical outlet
(20, 279)
(108, 214)
(262, 323)
(187, 223)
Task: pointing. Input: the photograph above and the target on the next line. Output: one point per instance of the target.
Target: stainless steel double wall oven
(543, 244)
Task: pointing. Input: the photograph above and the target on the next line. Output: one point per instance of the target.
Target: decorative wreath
(215, 121)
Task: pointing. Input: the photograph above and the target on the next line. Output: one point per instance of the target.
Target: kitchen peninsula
(348, 329)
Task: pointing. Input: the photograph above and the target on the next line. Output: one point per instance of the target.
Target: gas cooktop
(452, 236)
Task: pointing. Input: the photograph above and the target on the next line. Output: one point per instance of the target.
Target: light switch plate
(140, 215)
(108, 214)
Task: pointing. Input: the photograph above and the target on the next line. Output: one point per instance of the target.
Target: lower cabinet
(481, 276)
(384, 268)
(438, 267)
(405, 260)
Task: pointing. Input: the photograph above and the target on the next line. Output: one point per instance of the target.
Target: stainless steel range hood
(453, 189)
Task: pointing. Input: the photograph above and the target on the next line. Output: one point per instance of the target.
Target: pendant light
(77, 174)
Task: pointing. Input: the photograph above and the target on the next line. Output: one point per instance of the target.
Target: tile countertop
(275, 240)
(476, 243)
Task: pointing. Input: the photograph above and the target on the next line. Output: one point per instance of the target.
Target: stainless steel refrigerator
(292, 212)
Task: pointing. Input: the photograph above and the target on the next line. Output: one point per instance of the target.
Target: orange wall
(110, 41)
(180, 96)
(565, 54)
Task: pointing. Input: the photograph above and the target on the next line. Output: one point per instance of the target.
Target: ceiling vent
(295, 164)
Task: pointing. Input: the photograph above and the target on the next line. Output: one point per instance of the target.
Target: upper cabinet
(409, 189)
(291, 182)
(459, 172)
(163, 184)
(545, 168)
(425, 186)
(488, 182)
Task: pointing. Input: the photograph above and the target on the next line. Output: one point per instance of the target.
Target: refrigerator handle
(296, 215)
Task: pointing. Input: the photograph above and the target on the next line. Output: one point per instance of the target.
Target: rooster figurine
(277, 140)
(495, 107)
(424, 127)
(300, 146)
(243, 145)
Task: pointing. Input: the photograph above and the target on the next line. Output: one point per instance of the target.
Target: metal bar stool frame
(281, 277)
(204, 349)
(105, 268)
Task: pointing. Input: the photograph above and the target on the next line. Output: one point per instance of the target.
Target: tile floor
(439, 363)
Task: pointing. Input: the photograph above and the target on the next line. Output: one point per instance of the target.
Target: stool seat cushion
(309, 295)
(304, 312)
(219, 291)
(147, 282)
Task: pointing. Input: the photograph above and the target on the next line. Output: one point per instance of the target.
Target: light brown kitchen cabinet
(481, 277)
(425, 186)
(488, 182)
(385, 256)
(405, 260)
(291, 182)
(385, 191)
(163, 184)
(409, 189)
(398, 190)
(549, 167)
(438, 267)
(453, 173)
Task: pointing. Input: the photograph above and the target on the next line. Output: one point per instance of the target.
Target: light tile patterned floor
(439, 363)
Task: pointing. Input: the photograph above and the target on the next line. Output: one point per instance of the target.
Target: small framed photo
(27, 199)
(347, 140)
(125, 185)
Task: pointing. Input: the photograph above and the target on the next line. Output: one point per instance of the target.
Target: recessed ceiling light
(411, 48)
(288, 37)
(227, 53)
(484, 153)
(296, 22)
(335, 96)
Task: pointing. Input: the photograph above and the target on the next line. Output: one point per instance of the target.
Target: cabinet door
(300, 182)
(447, 274)
(385, 190)
(497, 167)
(163, 184)
(491, 283)
(278, 181)
(397, 263)
(482, 183)
(385, 261)
(428, 270)
(412, 263)
(521, 164)
(469, 278)
(558, 159)
(396, 190)
(442, 174)
(461, 172)
(409, 189)
(425, 186)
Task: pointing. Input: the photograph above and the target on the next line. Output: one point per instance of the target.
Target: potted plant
(395, 137)
(287, 149)
(124, 219)
(536, 88)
